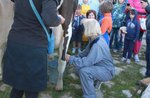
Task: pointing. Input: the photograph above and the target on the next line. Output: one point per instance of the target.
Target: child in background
(106, 22)
(118, 16)
(85, 7)
(77, 30)
(91, 14)
(133, 29)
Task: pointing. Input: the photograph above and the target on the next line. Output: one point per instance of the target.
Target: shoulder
(107, 19)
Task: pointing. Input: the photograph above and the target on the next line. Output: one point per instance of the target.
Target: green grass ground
(126, 80)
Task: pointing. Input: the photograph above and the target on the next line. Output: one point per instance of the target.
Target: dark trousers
(114, 35)
(15, 93)
(128, 48)
(148, 59)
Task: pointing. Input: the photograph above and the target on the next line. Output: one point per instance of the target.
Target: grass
(126, 80)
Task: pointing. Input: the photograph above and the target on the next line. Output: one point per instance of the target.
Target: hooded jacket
(133, 28)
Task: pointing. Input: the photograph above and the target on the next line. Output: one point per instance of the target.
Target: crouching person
(95, 61)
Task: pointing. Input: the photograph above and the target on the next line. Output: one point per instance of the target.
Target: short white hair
(91, 27)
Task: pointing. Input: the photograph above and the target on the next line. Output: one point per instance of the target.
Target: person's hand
(62, 19)
(67, 56)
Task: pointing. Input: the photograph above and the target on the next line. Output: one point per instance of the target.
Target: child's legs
(74, 44)
(137, 46)
(74, 38)
(87, 77)
(111, 37)
(130, 48)
(126, 43)
(79, 40)
(120, 43)
(116, 43)
(79, 44)
(15, 93)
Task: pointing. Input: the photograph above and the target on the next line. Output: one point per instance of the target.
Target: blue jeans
(128, 48)
(114, 36)
(87, 77)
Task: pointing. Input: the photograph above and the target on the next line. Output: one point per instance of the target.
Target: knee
(82, 72)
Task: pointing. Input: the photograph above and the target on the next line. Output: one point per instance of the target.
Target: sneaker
(128, 61)
(136, 58)
(123, 59)
(73, 50)
(115, 50)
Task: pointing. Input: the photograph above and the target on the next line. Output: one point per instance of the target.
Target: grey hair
(91, 26)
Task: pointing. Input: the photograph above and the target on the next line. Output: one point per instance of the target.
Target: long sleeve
(49, 13)
(137, 30)
(94, 56)
(84, 52)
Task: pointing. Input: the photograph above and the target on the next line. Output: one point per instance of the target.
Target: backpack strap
(44, 27)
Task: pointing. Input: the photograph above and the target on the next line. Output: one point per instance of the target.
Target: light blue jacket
(96, 55)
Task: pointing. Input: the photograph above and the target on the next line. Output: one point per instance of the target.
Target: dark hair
(79, 6)
(91, 11)
(106, 7)
(128, 4)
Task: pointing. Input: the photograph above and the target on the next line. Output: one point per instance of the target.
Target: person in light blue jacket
(95, 61)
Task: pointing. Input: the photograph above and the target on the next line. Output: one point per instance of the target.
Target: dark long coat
(25, 59)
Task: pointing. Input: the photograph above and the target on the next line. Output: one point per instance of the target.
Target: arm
(93, 57)
(148, 9)
(137, 30)
(104, 25)
(49, 13)
(84, 52)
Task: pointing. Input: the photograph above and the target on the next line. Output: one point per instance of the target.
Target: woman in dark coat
(146, 5)
(25, 59)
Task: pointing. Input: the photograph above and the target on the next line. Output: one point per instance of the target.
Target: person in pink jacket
(137, 5)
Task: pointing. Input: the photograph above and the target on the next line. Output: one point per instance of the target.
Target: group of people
(25, 59)
(111, 21)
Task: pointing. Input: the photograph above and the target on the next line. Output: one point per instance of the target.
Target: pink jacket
(137, 5)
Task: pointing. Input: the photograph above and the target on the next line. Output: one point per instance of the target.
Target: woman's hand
(67, 56)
